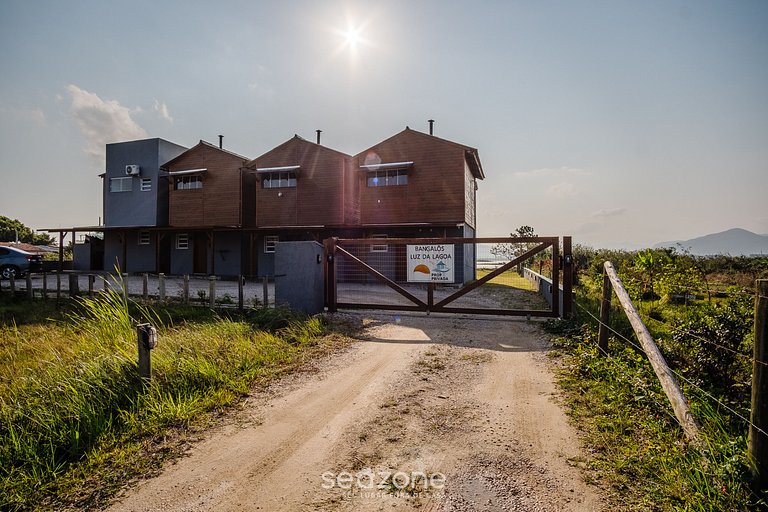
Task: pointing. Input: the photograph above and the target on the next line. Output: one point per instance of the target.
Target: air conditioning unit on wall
(132, 170)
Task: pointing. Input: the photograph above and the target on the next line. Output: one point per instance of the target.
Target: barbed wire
(711, 291)
(663, 405)
(701, 338)
(733, 411)
(723, 347)
(693, 385)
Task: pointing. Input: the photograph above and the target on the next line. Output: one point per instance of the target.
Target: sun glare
(352, 37)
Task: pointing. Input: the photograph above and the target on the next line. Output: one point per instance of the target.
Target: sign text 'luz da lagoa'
(430, 263)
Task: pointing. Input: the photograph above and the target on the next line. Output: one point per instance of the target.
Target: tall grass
(69, 390)
(639, 452)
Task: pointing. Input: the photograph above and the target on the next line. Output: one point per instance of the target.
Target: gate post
(556, 278)
(567, 277)
(330, 273)
(758, 440)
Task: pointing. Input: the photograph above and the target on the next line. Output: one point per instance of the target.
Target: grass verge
(75, 421)
(639, 454)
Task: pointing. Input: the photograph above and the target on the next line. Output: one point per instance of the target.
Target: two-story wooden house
(302, 191)
(205, 211)
(417, 185)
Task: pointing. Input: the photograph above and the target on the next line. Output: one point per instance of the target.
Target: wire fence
(692, 385)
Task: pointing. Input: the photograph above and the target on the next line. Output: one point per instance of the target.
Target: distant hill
(734, 242)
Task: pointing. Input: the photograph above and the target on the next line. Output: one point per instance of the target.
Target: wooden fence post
(13, 286)
(74, 285)
(240, 283)
(30, 291)
(663, 372)
(212, 291)
(605, 315)
(185, 290)
(45, 285)
(758, 424)
(265, 290)
(145, 286)
(91, 280)
(58, 285)
(161, 287)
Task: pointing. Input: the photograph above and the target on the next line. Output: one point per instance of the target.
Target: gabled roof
(470, 154)
(203, 144)
(295, 140)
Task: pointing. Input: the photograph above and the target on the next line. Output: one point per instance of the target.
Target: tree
(511, 251)
(12, 230)
(651, 263)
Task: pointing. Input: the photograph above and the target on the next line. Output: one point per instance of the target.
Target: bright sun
(352, 37)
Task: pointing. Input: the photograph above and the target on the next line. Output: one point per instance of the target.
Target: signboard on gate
(431, 263)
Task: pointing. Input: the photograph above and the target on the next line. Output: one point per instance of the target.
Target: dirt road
(436, 413)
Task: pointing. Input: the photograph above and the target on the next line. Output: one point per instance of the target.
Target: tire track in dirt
(261, 465)
(467, 398)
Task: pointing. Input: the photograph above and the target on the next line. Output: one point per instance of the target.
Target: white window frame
(144, 238)
(113, 182)
(282, 179)
(387, 178)
(145, 185)
(182, 241)
(187, 182)
(380, 247)
(269, 243)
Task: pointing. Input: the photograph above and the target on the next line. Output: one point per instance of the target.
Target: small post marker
(147, 340)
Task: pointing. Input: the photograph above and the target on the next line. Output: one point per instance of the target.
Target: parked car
(15, 262)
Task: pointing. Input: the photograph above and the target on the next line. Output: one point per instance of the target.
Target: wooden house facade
(416, 185)
(226, 213)
(299, 190)
(205, 211)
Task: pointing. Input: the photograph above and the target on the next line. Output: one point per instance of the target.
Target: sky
(620, 123)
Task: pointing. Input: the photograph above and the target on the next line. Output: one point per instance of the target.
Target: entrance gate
(377, 273)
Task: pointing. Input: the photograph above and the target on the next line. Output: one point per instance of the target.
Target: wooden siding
(435, 192)
(470, 216)
(320, 197)
(219, 202)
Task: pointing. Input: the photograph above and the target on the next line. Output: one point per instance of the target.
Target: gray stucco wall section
(299, 276)
(140, 258)
(227, 254)
(181, 259)
(266, 260)
(81, 257)
(137, 207)
(113, 251)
